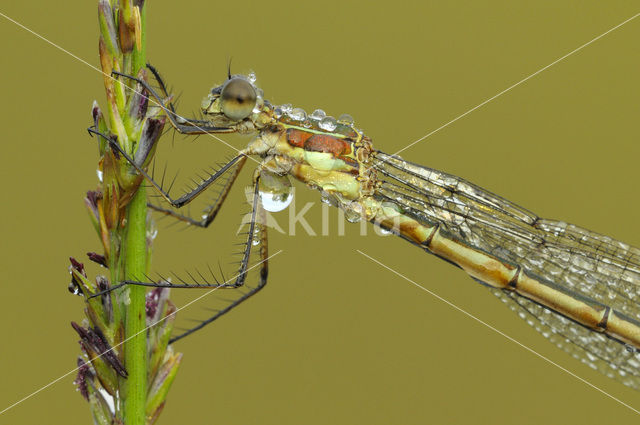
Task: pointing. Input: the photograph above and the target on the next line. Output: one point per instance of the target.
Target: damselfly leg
(254, 246)
(231, 169)
(181, 124)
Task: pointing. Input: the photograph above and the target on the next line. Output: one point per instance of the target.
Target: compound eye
(237, 99)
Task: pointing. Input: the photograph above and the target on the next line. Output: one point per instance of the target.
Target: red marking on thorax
(297, 137)
(312, 142)
(329, 144)
(318, 142)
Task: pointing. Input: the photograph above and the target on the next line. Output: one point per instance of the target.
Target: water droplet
(74, 289)
(328, 124)
(275, 202)
(318, 114)
(108, 398)
(297, 114)
(275, 191)
(345, 119)
(252, 77)
(255, 241)
(352, 216)
(151, 234)
(206, 103)
(258, 106)
(152, 229)
(286, 108)
(328, 198)
(278, 112)
(384, 231)
(391, 207)
(99, 173)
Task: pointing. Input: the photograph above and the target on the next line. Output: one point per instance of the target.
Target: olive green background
(334, 338)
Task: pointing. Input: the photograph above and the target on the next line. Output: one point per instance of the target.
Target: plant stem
(140, 56)
(135, 267)
(136, 366)
(135, 348)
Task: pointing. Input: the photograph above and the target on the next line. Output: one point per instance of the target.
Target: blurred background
(334, 338)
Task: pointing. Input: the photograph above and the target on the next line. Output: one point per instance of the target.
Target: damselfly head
(232, 102)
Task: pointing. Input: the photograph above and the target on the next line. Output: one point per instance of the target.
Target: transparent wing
(593, 349)
(580, 261)
(584, 262)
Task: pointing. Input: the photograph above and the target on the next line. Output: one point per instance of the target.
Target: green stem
(135, 347)
(135, 266)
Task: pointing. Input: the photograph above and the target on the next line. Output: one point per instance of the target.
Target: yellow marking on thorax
(329, 180)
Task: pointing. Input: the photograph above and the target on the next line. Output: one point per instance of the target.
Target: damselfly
(578, 288)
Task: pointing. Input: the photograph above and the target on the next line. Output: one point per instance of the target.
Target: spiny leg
(256, 241)
(181, 124)
(200, 127)
(237, 162)
(257, 233)
(211, 210)
(168, 99)
(163, 86)
(256, 227)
